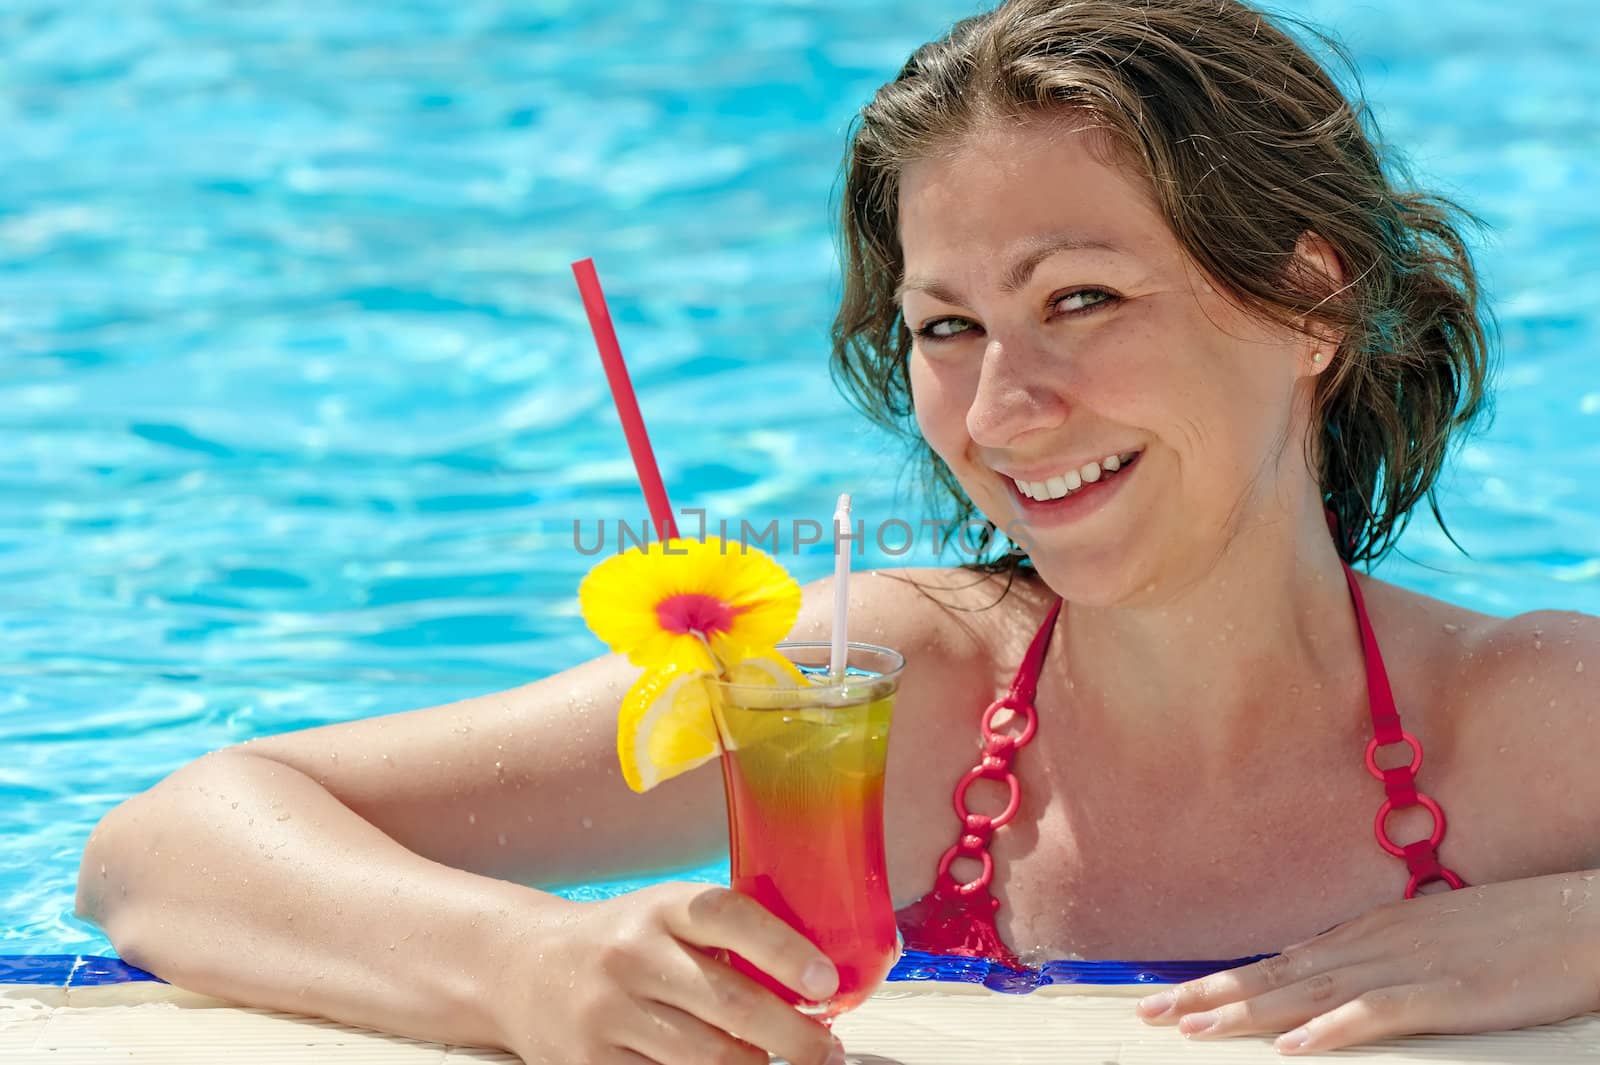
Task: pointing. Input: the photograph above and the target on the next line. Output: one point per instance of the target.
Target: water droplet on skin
(284, 816)
(235, 806)
(102, 870)
(1579, 669)
(388, 761)
(1538, 645)
(588, 822)
(472, 819)
(333, 756)
(1451, 629)
(1503, 750)
(391, 946)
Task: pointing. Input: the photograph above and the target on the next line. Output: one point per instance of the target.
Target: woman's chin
(1100, 579)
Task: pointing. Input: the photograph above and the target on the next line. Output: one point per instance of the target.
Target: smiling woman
(1139, 282)
(1140, 286)
(1242, 150)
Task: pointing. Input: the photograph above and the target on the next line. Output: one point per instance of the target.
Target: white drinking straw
(841, 581)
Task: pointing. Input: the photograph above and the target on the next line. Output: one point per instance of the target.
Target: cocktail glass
(803, 769)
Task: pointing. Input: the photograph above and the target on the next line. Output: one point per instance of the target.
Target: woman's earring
(1316, 356)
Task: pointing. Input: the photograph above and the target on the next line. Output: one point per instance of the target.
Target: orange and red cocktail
(803, 769)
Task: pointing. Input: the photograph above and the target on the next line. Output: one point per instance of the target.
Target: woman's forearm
(242, 878)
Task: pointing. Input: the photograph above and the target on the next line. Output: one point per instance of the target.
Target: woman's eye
(1082, 300)
(942, 328)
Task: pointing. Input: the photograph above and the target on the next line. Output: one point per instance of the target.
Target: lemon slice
(666, 726)
(767, 671)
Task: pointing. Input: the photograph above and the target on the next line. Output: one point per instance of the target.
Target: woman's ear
(1315, 260)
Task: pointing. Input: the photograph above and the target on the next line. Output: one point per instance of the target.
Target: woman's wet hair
(1247, 145)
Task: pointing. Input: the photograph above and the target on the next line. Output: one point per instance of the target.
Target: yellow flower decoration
(693, 604)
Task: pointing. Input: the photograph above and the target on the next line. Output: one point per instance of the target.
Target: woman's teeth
(1072, 480)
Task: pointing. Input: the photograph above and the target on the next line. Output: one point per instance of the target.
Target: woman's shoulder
(1481, 659)
(1515, 702)
(956, 611)
(962, 631)
(1537, 670)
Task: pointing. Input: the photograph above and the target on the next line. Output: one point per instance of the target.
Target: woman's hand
(1502, 956)
(634, 981)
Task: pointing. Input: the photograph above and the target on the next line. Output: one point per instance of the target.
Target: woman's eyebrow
(1019, 272)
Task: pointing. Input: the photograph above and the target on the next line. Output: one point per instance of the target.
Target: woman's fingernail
(819, 980)
(1197, 1024)
(1294, 1040)
(1157, 1005)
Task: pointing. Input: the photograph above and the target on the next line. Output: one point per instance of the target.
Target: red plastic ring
(995, 820)
(1405, 737)
(1024, 711)
(1382, 830)
(1455, 882)
(974, 886)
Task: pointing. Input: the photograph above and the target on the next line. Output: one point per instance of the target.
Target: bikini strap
(958, 918)
(1399, 782)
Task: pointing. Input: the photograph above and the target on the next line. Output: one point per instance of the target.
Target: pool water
(299, 407)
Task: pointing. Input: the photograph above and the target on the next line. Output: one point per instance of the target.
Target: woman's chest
(1211, 878)
(1133, 852)
(1108, 866)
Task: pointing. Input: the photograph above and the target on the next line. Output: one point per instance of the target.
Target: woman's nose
(1015, 394)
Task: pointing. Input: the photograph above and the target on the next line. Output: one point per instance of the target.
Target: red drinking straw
(605, 338)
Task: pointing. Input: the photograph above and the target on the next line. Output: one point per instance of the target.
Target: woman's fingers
(1376, 1014)
(722, 919)
(730, 1001)
(1294, 966)
(713, 993)
(667, 1034)
(1289, 1007)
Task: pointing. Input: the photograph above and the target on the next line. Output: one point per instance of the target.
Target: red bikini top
(959, 918)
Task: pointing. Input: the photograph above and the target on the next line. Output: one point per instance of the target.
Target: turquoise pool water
(298, 406)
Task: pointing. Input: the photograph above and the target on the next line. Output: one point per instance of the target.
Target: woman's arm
(373, 872)
(360, 871)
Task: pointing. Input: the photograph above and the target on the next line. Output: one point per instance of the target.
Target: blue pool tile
(97, 972)
(69, 970)
(47, 969)
(915, 965)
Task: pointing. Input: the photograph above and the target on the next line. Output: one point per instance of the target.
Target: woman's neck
(1267, 638)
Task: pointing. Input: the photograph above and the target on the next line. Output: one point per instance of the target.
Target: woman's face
(1058, 323)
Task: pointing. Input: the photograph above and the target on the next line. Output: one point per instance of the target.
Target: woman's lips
(1089, 497)
(1052, 488)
